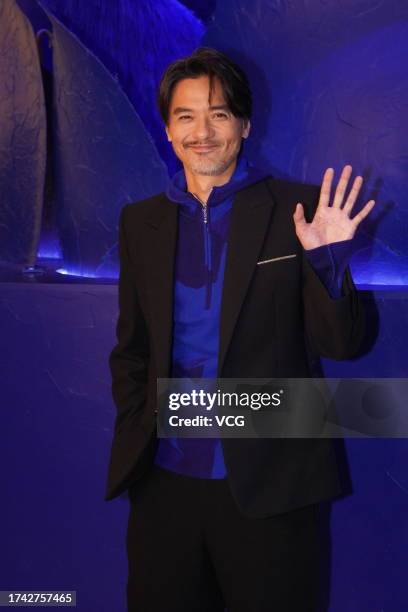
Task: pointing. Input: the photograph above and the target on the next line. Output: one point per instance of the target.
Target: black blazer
(272, 315)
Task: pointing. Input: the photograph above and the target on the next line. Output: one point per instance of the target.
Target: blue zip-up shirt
(199, 274)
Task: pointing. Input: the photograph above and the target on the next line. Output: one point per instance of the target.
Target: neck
(201, 185)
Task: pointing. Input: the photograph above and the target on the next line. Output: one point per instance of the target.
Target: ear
(167, 133)
(246, 128)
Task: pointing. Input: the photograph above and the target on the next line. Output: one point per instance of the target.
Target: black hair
(208, 61)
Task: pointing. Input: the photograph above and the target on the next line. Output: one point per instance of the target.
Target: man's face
(205, 137)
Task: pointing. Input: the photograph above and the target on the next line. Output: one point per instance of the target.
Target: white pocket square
(265, 261)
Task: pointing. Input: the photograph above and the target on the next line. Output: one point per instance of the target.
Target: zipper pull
(203, 206)
(205, 213)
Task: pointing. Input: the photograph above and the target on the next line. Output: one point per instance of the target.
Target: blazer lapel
(251, 211)
(160, 249)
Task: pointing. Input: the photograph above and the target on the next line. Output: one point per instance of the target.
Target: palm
(331, 223)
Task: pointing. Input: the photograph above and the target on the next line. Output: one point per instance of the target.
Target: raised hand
(331, 222)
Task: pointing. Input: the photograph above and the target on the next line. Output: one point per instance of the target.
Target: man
(231, 274)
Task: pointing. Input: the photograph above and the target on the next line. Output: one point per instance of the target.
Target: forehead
(194, 93)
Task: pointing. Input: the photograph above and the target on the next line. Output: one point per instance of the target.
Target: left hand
(331, 223)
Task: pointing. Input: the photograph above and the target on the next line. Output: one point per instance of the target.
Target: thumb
(299, 215)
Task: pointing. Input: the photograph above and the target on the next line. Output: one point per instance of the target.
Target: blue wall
(330, 88)
(57, 418)
(22, 138)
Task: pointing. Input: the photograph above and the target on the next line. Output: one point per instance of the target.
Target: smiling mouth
(203, 148)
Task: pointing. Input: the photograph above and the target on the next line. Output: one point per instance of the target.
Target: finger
(342, 186)
(324, 198)
(352, 197)
(299, 215)
(363, 212)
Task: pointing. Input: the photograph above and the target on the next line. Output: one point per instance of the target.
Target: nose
(203, 128)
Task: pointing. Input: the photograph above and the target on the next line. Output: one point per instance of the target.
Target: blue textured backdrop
(56, 530)
(22, 138)
(135, 40)
(330, 88)
(103, 157)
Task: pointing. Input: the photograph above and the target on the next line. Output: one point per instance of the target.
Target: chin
(207, 168)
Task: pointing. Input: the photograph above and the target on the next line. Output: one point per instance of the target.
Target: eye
(183, 117)
(220, 115)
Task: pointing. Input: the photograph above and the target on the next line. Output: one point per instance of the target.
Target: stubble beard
(211, 168)
(207, 167)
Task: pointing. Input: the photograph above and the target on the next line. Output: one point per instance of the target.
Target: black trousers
(191, 550)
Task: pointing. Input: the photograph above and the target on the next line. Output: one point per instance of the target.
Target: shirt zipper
(207, 251)
(205, 212)
(208, 258)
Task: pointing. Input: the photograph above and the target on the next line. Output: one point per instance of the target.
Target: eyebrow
(181, 109)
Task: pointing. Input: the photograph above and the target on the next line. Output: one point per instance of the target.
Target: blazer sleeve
(334, 327)
(129, 358)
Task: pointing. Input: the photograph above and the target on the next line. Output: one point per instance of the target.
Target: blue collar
(244, 175)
